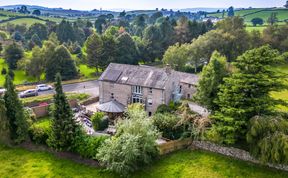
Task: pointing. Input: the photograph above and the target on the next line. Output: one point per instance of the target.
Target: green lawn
(20, 75)
(17, 162)
(87, 72)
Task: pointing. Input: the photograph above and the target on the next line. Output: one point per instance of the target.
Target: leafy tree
(182, 30)
(122, 14)
(39, 29)
(176, 56)
(126, 49)
(268, 138)
(276, 37)
(94, 50)
(257, 21)
(246, 93)
(100, 21)
(60, 62)
(211, 78)
(65, 32)
(24, 10)
(273, 18)
(255, 39)
(36, 40)
(13, 53)
(230, 12)
(152, 36)
(153, 18)
(18, 125)
(167, 33)
(17, 36)
(133, 145)
(109, 51)
(36, 64)
(36, 12)
(65, 130)
(286, 5)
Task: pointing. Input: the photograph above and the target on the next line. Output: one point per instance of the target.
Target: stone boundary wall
(233, 152)
(90, 101)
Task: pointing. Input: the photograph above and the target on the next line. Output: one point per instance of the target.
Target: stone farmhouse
(122, 84)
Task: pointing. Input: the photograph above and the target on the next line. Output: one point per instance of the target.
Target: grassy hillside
(17, 162)
(249, 14)
(27, 21)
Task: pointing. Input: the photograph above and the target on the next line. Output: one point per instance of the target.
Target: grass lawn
(87, 72)
(17, 162)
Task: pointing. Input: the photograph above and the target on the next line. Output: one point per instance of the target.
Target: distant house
(126, 84)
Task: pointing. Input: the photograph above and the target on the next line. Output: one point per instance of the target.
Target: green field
(17, 162)
(27, 21)
(21, 77)
(249, 14)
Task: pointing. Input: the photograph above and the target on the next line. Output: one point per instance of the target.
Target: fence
(42, 111)
(174, 145)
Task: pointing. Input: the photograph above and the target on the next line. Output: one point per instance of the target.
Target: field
(27, 21)
(249, 14)
(17, 162)
(21, 77)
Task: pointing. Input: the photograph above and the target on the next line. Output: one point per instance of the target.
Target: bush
(167, 125)
(163, 108)
(134, 144)
(87, 146)
(99, 121)
(40, 131)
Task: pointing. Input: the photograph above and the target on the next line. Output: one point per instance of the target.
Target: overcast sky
(145, 4)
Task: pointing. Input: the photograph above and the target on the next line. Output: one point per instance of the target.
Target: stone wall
(233, 152)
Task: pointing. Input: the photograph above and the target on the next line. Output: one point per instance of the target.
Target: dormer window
(137, 89)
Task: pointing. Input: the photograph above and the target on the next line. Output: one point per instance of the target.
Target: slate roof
(188, 78)
(145, 76)
(111, 107)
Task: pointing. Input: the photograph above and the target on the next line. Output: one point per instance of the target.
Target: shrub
(99, 121)
(40, 131)
(134, 144)
(268, 138)
(167, 125)
(163, 108)
(87, 146)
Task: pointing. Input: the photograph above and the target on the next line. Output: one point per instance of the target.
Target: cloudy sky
(145, 4)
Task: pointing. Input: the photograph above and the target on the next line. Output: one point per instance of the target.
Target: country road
(89, 87)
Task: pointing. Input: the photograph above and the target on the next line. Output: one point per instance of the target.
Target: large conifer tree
(247, 93)
(64, 127)
(18, 125)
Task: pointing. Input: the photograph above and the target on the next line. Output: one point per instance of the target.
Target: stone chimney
(168, 69)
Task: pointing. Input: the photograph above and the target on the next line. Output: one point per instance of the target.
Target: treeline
(230, 38)
(123, 40)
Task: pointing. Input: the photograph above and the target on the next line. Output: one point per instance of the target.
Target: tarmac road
(89, 87)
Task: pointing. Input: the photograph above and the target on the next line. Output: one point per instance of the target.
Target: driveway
(89, 87)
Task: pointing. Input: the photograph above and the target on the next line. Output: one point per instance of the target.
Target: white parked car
(2, 91)
(43, 87)
(28, 93)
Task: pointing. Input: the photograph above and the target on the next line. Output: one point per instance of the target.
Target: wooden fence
(175, 145)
